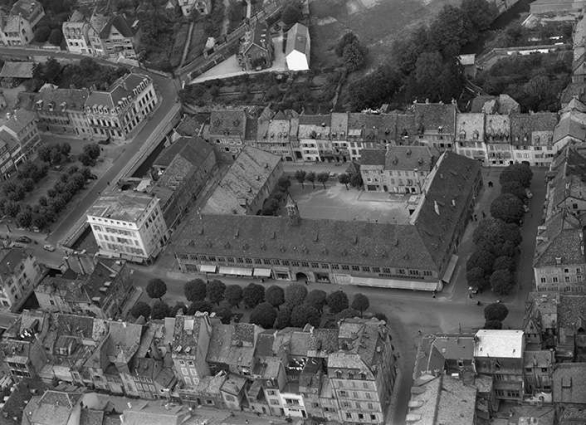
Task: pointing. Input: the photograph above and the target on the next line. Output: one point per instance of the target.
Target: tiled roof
(568, 383)
(572, 123)
(227, 123)
(457, 402)
(19, 120)
(234, 384)
(120, 89)
(55, 408)
(120, 24)
(499, 343)
(409, 158)
(319, 120)
(523, 125)
(432, 116)
(17, 70)
(541, 358)
(362, 337)
(192, 125)
(187, 332)
(58, 100)
(25, 8)
(571, 311)
(470, 126)
(373, 157)
(243, 182)
(91, 417)
(194, 149)
(123, 341)
(234, 346)
(561, 240)
(14, 407)
(125, 206)
(298, 39)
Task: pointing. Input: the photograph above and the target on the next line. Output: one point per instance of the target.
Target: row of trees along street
(272, 307)
(497, 238)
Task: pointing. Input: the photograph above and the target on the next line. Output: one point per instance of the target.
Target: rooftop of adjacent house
(260, 35)
(497, 125)
(572, 312)
(54, 100)
(10, 259)
(457, 402)
(186, 333)
(568, 386)
(55, 408)
(233, 384)
(499, 343)
(502, 104)
(193, 149)
(539, 358)
(227, 123)
(233, 344)
(125, 206)
(124, 340)
(242, 183)
(71, 290)
(25, 8)
(424, 401)
(17, 120)
(410, 158)
(91, 417)
(77, 16)
(144, 412)
(17, 404)
(470, 126)
(524, 125)
(192, 125)
(559, 242)
(122, 89)
(435, 117)
(298, 39)
(363, 337)
(17, 70)
(210, 385)
(572, 124)
(120, 24)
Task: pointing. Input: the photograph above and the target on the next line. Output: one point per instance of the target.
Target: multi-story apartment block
(500, 353)
(128, 226)
(76, 32)
(59, 111)
(180, 173)
(276, 132)
(19, 273)
(16, 29)
(19, 131)
(247, 184)
(470, 139)
(532, 137)
(202, 7)
(436, 124)
(115, 113)
(104, 293)
(497, 133)
(191, 341)
(112, 36)
(227, 131)
(399, 169)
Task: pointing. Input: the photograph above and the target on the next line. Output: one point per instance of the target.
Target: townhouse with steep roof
(314, 137)
(19, 274)
(17, 28)
(247, 184)
(417, 254)
(502, 104)
(19, 131)
(115, 113)
(231, 348)
(227, 132)
(569, 390)
(113, 36)
(399, 169)
(55, 408)
(571, 126)
(497, 133)
(76, 33)
(256, 50)
(103, 293)
(377, 131)
(339, 136)
(532, 137)
(436, 124)
(298, 48)
(180, 173)
(470, 140)
(128, 225)
(58, 111)
(276, 133)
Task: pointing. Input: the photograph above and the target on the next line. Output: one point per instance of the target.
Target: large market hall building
(418, 255)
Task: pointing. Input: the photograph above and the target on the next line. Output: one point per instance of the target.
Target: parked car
(23, 239)
(49, 248)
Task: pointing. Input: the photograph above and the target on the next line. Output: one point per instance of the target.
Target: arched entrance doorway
(301, 277)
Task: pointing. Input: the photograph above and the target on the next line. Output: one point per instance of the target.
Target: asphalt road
(166, 90)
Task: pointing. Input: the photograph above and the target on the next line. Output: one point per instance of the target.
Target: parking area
(337, 203)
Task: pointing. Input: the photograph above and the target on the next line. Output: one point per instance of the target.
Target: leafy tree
(44, 152)
(156, 288)
(348, 313)
(482, 259)
(28, 184)
(300, 177)
(284, 183)
(317, 299)
(56, 37)
(233, 295)
(291, 14)
(502, 281)
(374, 89)
(216, 290)
(40, 221)
(477, 277)
(201, 306)
(381, 316)
(344, 179)
(514, 188)
(491, 234)
(508, 208)
(160, 310)
(93, 150)
(11, 208)
(224, 312)
(24, 218)
(56, 157)
(65, 149)
(295, 294)
(310, 177)
(86, 160)
(175, 309)
(337, 301)
(42, 33)
(493, 324)
(496, 311)
(253, 295)
(303, 314)
(263, 315)
(346, 39)
(504, 263)
(51, 70)
(356, 180)
(450, 30)
(354, 56)
(323, 178)
(518, 172)
(195, 290)
(360, 302)
(140, 309)
(275, 296)
(481, 13)
(283, 316)
(270, 207)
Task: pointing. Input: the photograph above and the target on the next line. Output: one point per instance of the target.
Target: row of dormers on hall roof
(119, 97)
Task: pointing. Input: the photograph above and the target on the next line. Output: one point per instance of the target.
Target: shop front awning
(262, 272)
(207, 269)
(450, 269)
(415, 285)
(236, 271)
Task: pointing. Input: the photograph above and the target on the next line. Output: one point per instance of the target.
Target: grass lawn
(198, 41)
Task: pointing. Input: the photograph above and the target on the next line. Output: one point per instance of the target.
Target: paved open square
(337, 203)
